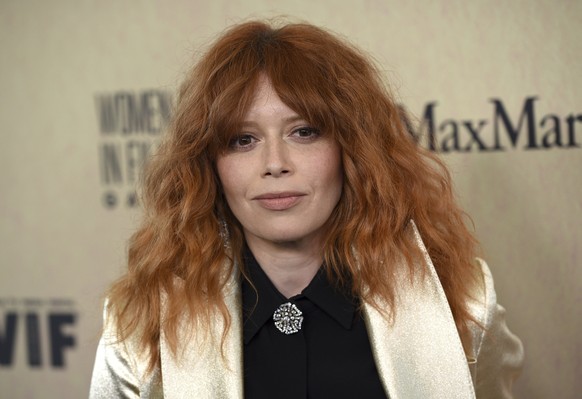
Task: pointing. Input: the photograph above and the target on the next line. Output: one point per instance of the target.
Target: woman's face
(281, 177)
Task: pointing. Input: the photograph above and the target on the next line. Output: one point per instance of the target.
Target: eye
(306, 133)
(242, 142)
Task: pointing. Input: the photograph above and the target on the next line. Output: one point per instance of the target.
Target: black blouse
(329, 357)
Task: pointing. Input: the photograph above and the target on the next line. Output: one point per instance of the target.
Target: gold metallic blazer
(418, 354)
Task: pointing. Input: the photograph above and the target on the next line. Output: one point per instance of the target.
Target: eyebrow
(289, 119)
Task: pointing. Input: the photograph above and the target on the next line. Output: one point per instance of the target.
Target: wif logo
(130, 124)
(35, 324)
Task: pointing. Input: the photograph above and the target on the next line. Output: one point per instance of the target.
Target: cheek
(227, 174)
(227, 170)
(330, 167)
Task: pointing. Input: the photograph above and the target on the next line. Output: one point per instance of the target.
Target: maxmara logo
(524, 129)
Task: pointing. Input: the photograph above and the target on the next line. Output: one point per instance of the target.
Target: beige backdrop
(68, 158)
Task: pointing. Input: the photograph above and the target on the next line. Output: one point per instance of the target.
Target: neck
(289, 266)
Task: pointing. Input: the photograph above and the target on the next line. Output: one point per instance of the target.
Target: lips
(279, 201)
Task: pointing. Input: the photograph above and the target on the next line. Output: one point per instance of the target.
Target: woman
(281, 253)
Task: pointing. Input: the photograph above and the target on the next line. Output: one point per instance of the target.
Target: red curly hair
(388, 181)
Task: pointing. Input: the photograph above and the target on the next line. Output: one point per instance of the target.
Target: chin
(287, 235)
(283, 237)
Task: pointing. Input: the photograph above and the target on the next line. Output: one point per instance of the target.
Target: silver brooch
(288, 318)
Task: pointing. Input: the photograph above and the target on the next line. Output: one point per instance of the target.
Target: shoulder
(120, 368)
(497, 354)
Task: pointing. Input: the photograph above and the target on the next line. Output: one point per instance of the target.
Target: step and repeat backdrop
(86, 89)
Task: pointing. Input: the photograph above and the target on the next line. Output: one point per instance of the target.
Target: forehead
(266, 103)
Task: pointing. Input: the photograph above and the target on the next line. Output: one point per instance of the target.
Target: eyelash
(235, 144)
(313, 131)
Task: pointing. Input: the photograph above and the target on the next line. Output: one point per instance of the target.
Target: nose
(277, 160)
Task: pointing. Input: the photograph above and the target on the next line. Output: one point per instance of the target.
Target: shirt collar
(257, 310)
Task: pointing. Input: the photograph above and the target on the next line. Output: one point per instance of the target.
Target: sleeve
(114, 375)
(499, 353)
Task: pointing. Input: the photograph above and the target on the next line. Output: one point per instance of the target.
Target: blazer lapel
(419, 353)
(201, 371)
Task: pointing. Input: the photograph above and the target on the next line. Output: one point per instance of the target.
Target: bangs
(302, 69)
(302, 84)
